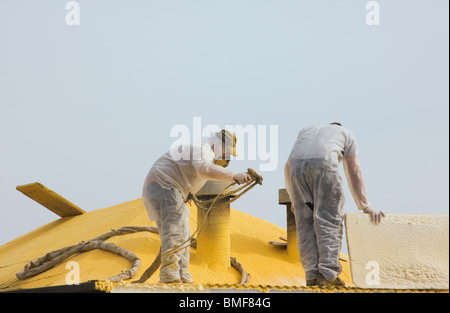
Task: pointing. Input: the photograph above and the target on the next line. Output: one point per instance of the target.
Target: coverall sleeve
(213, 171)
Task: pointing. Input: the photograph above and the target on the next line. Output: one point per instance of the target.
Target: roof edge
(87, 287)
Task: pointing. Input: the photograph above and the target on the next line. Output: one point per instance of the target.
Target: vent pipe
(213, 241)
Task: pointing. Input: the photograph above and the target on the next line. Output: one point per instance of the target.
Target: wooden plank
(283, 196)
(282, 245)
(404, 251)
(50, 199)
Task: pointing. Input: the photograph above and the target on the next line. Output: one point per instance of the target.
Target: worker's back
(175, 169)
(323, 144)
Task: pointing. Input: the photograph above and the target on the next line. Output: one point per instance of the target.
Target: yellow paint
(50, 199)
(249, 244)
(292, 241)
(213, 241)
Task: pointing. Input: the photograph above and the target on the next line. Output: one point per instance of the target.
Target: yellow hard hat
(229, 139)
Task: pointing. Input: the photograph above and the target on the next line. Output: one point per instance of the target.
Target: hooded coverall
(314, 185)
(180, 171)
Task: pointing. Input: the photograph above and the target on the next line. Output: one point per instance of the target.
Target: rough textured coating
(249, 244)
(404, 251)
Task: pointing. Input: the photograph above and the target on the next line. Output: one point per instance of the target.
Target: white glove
(242, 178)
(374, 214)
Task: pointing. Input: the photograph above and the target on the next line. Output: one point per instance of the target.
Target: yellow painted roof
(268, 265)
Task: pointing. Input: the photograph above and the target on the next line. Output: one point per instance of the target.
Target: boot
(311, 282)
(322, 281)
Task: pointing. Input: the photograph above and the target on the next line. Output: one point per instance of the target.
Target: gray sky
(86, 109)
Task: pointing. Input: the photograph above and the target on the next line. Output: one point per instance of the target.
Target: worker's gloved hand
(242, 178)
(374, 214)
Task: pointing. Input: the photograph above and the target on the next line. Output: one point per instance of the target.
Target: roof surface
(270, 267)
(250, 236)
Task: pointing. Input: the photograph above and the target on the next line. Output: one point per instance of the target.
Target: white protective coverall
(180, 171)
(315, 189)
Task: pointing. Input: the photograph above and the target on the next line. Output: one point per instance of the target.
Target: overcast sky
(86, 109)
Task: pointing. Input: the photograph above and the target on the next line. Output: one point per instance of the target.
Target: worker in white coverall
(315, 189)
(180, 171)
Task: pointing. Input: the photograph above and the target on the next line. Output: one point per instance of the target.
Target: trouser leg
(174, 227)
(328, 223)
(307, 245)
(184, 254)
(172, 219)
(304, 220)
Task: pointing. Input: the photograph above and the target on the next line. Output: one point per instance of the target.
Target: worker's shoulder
(341, 131)
(310, 128)
(339, 128)
(330, 129)
(350, 138)
(347, 131)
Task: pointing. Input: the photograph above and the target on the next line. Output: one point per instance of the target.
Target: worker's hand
(242, 178)
(375, 215)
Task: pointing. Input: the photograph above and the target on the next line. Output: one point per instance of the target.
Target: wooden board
(50, 199)
(283, 196)
(404, 251)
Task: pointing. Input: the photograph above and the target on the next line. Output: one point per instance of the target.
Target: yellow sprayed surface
(249, 244)
(213, 239)
(409, 251)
